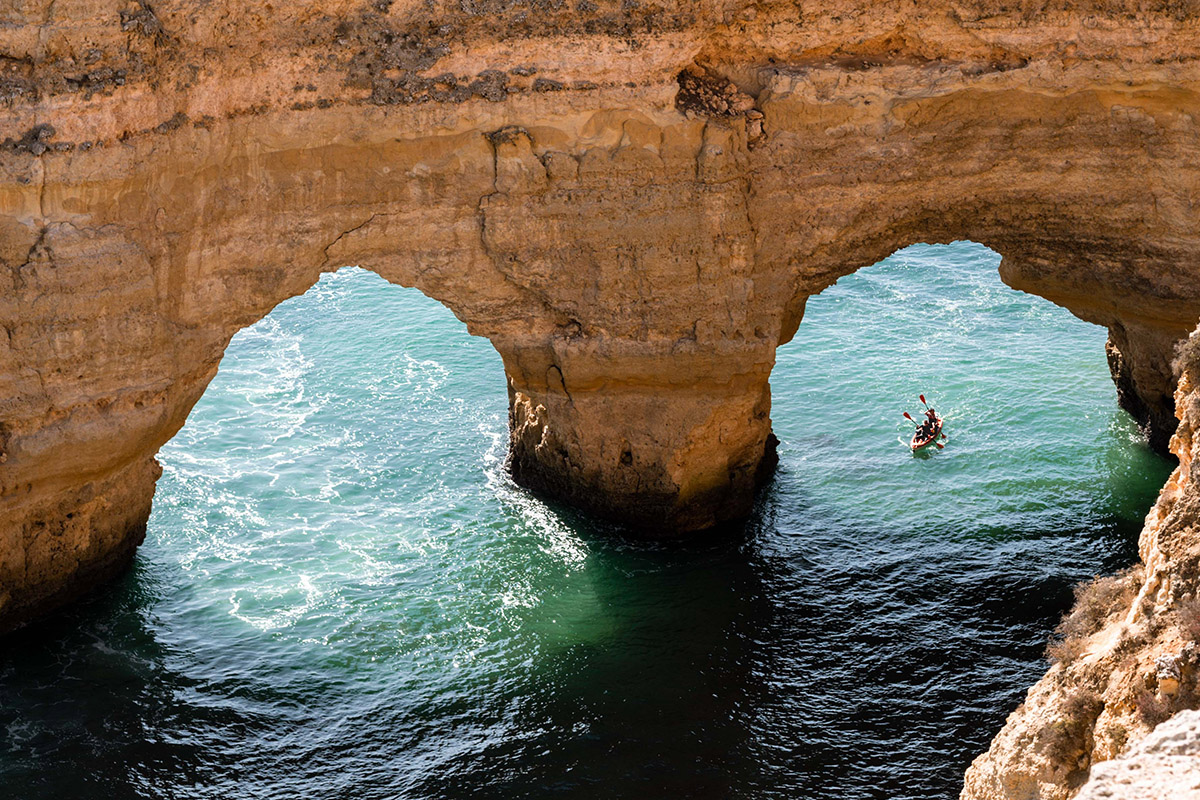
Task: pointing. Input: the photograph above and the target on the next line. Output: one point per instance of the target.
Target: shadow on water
(82, 695)
(653, 705)
(800, 658)
(785, 662)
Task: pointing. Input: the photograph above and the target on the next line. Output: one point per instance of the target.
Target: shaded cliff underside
(631, 200)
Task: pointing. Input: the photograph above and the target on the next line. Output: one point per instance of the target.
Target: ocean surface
(342, 595)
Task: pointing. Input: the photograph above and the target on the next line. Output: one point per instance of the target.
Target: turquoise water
(342, 595)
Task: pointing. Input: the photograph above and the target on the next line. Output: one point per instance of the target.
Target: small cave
(704, 93)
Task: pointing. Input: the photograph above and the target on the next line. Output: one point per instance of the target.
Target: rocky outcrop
(1129, 657)
(631, 200)
(1163, 766)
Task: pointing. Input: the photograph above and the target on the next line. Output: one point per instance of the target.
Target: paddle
(927, 406)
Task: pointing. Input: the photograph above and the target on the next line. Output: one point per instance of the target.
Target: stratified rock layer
(631, 200)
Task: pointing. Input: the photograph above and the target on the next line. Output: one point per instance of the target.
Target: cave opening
(1024, 384)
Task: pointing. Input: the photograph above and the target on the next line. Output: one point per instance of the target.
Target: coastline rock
(1131, 657)
(632, 201)
(1163, 766)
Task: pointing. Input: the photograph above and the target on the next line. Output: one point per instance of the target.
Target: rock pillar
(68, 542)
(1140, 360)
(673, 441)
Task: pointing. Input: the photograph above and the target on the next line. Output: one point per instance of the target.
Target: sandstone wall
(631, 200)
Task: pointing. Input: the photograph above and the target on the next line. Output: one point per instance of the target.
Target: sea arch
(635, 267)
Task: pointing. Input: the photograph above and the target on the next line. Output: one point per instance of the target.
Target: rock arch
(631, 203)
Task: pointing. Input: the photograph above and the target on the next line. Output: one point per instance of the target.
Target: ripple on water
(343, 595)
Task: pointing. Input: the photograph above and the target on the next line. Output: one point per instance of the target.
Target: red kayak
(920, 442)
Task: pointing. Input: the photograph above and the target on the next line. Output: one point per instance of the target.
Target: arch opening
(951, 569)
(374, 583)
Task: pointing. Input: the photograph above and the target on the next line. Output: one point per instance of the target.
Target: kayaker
(929, 429)
(928, 425)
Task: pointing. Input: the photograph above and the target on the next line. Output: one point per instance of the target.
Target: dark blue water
(342, 596)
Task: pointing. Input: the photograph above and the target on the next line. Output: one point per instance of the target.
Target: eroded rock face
(632, 201)
(1163, 766)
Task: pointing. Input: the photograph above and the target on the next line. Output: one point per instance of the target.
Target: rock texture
(632, 199)
(1163, 766)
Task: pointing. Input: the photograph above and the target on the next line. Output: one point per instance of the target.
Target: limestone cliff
(1163, 766)
(632, 199)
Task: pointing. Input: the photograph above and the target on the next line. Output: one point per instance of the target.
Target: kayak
(919, 443)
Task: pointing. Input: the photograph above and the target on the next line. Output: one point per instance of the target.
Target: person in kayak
(929, 425)
(928, 429)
